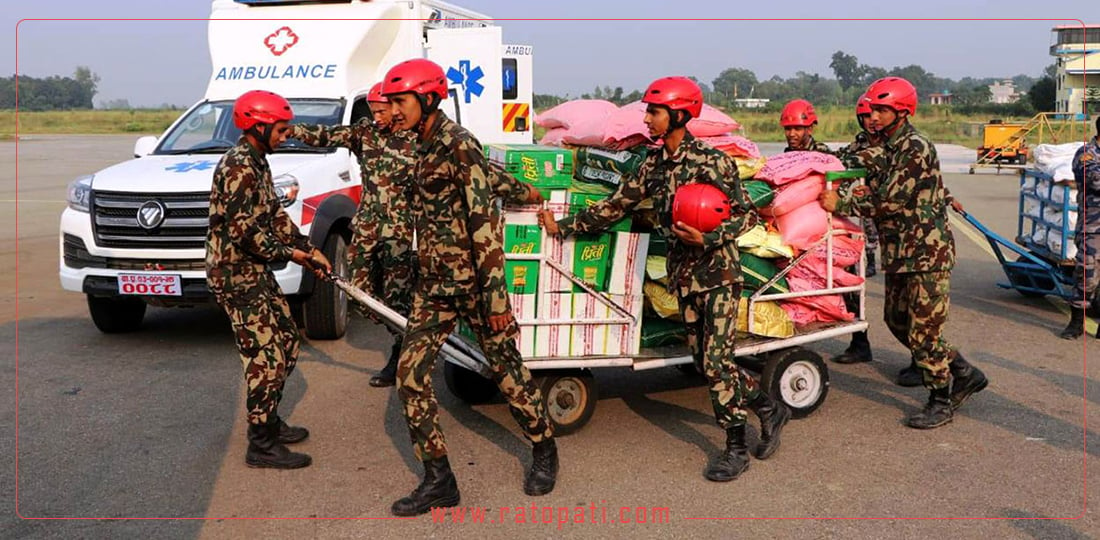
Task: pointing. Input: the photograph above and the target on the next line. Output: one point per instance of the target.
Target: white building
(1077, 48)
(1003, 92)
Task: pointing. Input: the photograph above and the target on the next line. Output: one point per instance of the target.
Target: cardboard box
(628, 263)
(553, 340)
(580, 201)
(589, 339)
(591, 253)
(627, 339)
(522, 277)
(561, 252)
(525, 308)
(541, 166)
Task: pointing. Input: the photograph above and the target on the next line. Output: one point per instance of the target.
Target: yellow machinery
(1004, 145)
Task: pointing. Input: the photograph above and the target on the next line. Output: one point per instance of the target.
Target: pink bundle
(791, 166)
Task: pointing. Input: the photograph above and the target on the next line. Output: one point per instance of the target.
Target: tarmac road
(150, 424)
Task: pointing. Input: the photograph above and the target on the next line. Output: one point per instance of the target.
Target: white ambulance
(133, 234)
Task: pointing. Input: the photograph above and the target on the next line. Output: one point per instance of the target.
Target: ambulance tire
(116, 315)
(326, 309)
(468, 385)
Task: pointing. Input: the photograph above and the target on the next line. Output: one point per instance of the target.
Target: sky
(150, 63)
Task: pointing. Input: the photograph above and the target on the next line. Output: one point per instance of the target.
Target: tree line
(850, 79)
(50, 93)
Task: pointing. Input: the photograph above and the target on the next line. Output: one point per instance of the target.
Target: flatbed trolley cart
(790, 372)
(1039, 262)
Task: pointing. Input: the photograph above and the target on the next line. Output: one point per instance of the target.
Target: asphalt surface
(112, 428)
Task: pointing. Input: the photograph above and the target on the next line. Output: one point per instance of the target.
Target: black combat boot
(388, 375)
(936, 412)
(858, 351)
(910, 376)
(265, 450)
(773, 416)
(287, 434)
(967, 380)
(871, 270)
(439, 489)
(543, 473)
(1076, 326)
(733, 461)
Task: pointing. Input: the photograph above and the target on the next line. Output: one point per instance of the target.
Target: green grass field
(87, 122)
(834, 125)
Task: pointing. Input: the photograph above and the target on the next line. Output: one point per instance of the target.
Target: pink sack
(812, 309)
(553, 137)
(733, 145)
(804, 225)
(712, 122)
(575, 112)
(846, 251)
(795, 194)
(810, 274)
(628, 122)
(791, 166)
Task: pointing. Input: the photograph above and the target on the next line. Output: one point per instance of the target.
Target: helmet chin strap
(262, 133)
(426, 110)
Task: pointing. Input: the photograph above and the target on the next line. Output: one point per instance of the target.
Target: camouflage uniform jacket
(864, 150)
(385, 164)
(461, 235)
(691, 269)
(908, 204)
(814, 146)
(248, 228)
(1088, 181)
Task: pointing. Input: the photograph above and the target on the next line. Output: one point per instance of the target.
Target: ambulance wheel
(570, 398)
(113, 315)
(468, 385)
(798, 377)
(326, 309)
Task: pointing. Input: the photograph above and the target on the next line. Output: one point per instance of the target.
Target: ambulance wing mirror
(145, 146)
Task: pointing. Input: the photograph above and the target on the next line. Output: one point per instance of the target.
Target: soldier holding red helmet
(461, 256)
(703, 266)
(909, 206)
(249, 230)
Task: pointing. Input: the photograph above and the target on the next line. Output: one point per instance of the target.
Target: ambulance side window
(360, 109)
(510, 73)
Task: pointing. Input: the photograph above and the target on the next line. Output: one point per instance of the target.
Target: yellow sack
(769, 320)
(656, 268)
(664, 303)
(764, 243)
(748, 167)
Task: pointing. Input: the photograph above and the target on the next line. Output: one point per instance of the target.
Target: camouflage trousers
(1085, 275)
(268, 341)
(915, 311)
(432, 319)
(711, 319)
(385, 269)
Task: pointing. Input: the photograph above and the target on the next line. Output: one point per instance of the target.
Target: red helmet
(419, 76)
(260, 107)
(375, 94)
(701, 206)
(798, 113)
(893, 92)
(863, 105)
(676, 93)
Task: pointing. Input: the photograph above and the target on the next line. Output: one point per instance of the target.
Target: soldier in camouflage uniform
(381, 259)
(909, 206)
(248, 231)
(703, 268)
(461, 258)
(798, 119)
(1086, 176)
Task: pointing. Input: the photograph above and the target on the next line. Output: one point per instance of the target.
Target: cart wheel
(467, 385)
(1041, 282)
(799, 378)
(570, 397)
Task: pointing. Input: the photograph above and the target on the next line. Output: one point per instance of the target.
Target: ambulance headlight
(80, 193)
(286, 187)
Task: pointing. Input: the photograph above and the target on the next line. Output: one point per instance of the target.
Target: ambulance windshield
(209, 129)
